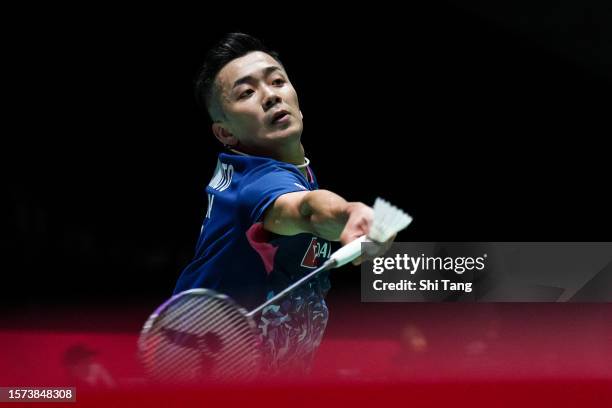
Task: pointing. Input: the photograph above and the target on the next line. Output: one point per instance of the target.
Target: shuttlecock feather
(388, 220)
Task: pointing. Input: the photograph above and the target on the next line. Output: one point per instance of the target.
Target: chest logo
(316, 251)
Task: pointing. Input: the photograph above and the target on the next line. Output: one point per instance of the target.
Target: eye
(245, 94)
(278, 82)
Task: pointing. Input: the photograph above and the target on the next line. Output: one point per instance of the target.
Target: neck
(294, 156)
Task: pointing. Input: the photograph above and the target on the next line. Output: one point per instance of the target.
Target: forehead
(250, 64)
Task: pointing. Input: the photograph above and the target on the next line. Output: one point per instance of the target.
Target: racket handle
(349, 252)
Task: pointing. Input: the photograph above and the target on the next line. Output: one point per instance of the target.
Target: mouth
(279, 117)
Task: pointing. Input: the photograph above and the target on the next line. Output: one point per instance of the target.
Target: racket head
(200, 336)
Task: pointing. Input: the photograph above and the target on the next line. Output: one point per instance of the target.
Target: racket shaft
(331, 263)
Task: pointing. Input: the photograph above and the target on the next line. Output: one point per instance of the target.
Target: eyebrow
(249, 78)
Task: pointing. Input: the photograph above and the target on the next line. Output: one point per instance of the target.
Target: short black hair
(230, 47)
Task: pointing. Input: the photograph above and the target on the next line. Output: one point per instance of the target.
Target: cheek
(244, 120)
(292, 96)
(244, 114)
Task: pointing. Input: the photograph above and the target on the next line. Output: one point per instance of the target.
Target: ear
(223, 135)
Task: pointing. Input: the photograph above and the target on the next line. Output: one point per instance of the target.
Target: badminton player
(267, 223)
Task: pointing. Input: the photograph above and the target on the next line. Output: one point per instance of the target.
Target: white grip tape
(349, 252)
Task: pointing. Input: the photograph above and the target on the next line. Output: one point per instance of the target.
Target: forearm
(325, 213)
(318, 212)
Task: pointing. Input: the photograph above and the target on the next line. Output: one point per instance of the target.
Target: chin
(292, 133)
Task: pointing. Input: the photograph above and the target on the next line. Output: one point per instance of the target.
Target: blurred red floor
(476, 355)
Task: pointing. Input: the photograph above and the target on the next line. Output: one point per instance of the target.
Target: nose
(270, 99)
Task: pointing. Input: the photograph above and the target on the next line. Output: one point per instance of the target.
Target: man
(267, 223)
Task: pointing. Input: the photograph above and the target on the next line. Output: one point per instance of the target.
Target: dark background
(485, 122)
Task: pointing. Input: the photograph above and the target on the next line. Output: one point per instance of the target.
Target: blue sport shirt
(236, 256)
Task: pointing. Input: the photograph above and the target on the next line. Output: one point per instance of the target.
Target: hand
(359, 222)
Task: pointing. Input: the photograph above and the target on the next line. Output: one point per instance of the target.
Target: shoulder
(252, 171)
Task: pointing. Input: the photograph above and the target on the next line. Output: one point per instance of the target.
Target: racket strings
(199, 338)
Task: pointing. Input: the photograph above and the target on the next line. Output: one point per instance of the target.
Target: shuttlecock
(388, 220)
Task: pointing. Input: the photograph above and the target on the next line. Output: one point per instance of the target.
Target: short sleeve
(262, 188)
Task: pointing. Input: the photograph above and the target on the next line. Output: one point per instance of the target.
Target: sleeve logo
(222, 177)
